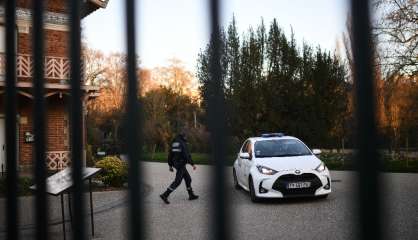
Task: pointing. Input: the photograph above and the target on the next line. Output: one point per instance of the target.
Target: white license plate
(298, 185)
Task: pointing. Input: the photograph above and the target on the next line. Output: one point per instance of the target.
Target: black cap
(182, 136)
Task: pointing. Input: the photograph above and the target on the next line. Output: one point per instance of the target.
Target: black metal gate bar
(10, 107)
(70, 210)
(63, 216)
(369, 200)
(76, 119)
(369, 196)
(91, 208)
(217, 128)
(39, 121)
(133, 129)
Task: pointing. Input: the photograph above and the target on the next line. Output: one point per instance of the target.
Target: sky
(179, 28)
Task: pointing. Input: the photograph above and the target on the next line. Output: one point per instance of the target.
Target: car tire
(234, 174)
(254, 198)
(323, 196)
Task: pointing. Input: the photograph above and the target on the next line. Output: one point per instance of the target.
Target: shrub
(2, 186)
(23, 186)
(114, 171)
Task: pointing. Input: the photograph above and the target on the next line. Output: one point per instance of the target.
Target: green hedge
(334, 161)
(198, 158)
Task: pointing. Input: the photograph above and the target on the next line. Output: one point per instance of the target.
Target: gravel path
(332, 218)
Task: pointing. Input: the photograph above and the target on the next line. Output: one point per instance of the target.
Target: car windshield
(280, 148)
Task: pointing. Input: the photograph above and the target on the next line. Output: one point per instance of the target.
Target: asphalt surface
(331, 218)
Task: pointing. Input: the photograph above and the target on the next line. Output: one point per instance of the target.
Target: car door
(247, 163)
(240, 173)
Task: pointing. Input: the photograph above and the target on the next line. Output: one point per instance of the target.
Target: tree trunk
(154, 146)
(343, 151)
(115, 136)
(407, 150)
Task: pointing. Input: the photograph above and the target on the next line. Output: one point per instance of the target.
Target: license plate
(298, 185)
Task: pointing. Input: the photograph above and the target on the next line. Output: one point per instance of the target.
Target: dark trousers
(181, 173)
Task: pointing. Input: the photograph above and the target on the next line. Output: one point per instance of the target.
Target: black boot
(192, 196)
(165, 195)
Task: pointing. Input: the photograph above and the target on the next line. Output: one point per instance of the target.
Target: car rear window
(280, 148)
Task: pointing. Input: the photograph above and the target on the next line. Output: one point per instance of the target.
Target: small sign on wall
(29, 137)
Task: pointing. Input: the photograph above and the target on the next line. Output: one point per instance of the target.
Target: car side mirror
(316, 151)
(244, 155)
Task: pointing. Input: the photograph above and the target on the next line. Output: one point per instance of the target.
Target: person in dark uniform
(178, 157)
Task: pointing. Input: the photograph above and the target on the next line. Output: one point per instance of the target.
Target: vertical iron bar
(39, 121)
(11, 105)
(217, 127)
(91, 209)
(76, 119)
(369, 196)
(63, 216)
(70, 210)
(133, 129)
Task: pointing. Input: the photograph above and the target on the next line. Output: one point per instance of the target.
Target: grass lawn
(198, 158)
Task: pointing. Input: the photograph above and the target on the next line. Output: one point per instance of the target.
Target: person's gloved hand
(171, 169)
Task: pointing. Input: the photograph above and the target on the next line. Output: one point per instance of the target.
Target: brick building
(57, 88)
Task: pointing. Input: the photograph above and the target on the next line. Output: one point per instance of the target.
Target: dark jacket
(179, 154)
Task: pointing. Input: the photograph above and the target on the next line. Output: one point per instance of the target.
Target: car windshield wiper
(285, 155)
(290, 155)
(264, 156)
(282, 155)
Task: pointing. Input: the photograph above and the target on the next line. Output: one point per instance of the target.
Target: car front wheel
(254, 198)
(236, 185)
(323, 196)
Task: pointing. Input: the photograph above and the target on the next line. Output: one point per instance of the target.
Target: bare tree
(396, 32)
(94, 62)
(108, 73)
(146, 82)
(175, 77)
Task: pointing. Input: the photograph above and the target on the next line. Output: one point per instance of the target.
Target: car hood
(307, 162)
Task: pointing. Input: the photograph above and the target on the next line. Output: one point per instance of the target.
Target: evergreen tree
(233, 58)
(233, 74)
(271, 85)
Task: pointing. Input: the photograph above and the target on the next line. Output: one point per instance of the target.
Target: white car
(278, 166)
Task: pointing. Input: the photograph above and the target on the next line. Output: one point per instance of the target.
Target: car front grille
(281, 184)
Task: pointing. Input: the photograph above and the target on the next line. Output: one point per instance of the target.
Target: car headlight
(266, 170)
(321, 167)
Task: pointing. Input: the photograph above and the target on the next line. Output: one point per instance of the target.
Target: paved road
(332, 218)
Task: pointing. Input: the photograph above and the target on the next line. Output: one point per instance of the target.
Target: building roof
(90, 6)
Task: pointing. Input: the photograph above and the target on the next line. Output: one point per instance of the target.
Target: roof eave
(90, 6)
